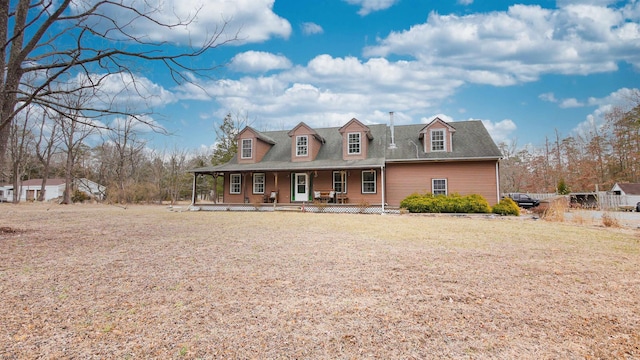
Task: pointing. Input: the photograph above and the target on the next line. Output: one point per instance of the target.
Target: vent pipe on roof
(393, 135)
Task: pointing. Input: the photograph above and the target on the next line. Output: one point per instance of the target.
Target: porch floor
(299, 207)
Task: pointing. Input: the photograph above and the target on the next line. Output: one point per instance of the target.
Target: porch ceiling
(297, 166)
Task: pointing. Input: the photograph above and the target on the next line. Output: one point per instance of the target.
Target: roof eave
(481, 158)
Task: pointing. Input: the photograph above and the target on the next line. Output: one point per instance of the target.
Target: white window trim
(446, 186)
(444, 139)
(344, 191)
(375, 180)
(250, 148)
(231, 182)
(264, 183)
(349, 152)
(298, 146)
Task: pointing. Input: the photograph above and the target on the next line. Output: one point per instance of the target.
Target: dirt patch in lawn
(94, 281)
(7, 230)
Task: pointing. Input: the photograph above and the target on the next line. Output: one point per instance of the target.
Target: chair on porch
(324, 196)
(273, 197)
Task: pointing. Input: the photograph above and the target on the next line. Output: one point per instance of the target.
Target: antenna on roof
(393, 135)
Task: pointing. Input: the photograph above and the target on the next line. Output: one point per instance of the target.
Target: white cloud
(259, 61)
(570, 103)
(549, 97)
(519, 45)
(443, 117)
(623, 98)
(328, 86)
(500, 131)
(141, 124)
(253, 21)
(124, 92)
(445, 53)
(465, 2)
(309, 28)
(369, 6)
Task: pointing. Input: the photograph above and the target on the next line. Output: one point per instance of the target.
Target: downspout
(383, 184)
(497, 181)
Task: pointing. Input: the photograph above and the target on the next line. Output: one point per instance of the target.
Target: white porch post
(193, 189)
(382, 184)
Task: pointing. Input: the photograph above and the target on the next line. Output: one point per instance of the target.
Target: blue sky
(527, 68)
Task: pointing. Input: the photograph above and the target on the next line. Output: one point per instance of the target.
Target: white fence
(621, 202)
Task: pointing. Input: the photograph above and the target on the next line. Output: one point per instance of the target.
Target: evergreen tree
(226, 145)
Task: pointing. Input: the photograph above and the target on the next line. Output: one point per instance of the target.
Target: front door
(301, 187)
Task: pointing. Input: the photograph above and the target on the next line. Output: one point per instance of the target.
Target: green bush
(506, 206)
(454, 203)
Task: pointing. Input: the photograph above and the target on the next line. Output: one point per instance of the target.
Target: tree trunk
(43, 187)
(68, 179)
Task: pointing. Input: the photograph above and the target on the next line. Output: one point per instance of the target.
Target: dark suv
(524, 200)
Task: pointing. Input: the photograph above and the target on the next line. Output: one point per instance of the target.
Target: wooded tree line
(595, 159)
(42, 147)
(70, 67)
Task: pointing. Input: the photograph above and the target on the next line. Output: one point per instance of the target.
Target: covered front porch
(353, 190)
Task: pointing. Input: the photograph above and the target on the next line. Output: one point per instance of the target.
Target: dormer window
(302, 145)
(437, 140)
(354, 144)
(247, 149)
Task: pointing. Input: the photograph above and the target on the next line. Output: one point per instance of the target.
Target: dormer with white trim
(437, 136)
(252, 145)
(355, 140)
(305, 143)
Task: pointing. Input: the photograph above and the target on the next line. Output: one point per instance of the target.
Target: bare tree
(75, 128)
(56, 40)
(127, 148)
(21, 139)
(47, 145)
(177, 178)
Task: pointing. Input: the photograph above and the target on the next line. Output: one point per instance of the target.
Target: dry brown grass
(144, 282)
(610, 220)
(553, 209)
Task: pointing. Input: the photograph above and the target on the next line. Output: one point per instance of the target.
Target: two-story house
(378, 165)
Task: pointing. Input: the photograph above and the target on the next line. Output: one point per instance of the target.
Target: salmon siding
(372, 164)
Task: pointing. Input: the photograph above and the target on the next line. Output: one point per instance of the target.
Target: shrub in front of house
(506, 206)
(454, 203)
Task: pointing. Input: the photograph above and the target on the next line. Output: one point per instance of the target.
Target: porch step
(288, 208)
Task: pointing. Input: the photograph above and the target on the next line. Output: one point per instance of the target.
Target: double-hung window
(439, 186)
(258, 183)
(437, 140)
(369, 182)
(340, 182)
(234, 183)
(302, 145)
(353, 146)
(247, 149)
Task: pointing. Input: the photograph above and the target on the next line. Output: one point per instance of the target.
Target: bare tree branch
(62, 46)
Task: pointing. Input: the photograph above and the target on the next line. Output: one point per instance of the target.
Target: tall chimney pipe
(393, 135)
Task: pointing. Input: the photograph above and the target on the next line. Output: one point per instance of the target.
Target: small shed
(629, 192)
(30, 189)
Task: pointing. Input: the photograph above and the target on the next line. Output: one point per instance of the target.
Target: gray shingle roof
(470, 141)
(630, 188)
